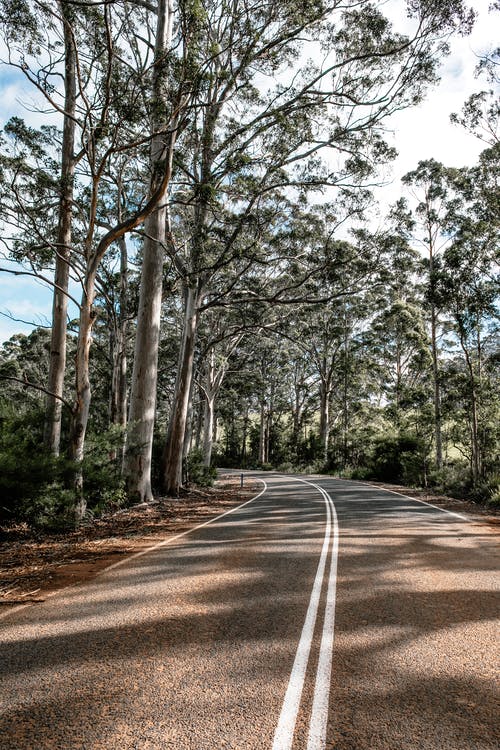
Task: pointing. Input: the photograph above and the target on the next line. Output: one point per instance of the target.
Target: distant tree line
(188, 205)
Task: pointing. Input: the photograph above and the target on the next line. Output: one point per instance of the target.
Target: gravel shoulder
(34, 564)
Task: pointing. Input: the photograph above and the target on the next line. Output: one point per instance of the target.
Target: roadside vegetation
(203, 211)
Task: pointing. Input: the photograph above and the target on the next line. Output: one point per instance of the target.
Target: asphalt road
(291, 623)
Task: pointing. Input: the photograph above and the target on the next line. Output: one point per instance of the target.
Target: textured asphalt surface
(191, 645)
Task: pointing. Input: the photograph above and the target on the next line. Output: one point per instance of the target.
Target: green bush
(36, 486)
(31, 479)
(494, 494)
(52, 508)
(455, 480)
(361, 473)
(103, 486)
(398, 459)
(197, 472)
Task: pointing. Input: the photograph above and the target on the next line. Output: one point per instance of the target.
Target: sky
(422, 132)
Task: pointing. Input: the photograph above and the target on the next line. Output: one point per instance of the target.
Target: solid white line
(171, 539)
(283, 736)
(407, 497)
(286, 726)
(319, 715)
(127, 559)
(436, 507)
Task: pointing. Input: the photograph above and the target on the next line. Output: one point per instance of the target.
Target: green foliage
(494, 494)
(399, 459)
(197, 472)
(103, 486)
(31, 480)
(36, 487)
(456, 480)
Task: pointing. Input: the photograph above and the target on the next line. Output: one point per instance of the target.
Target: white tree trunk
(324, 420)
(138, 452)
(57, 365)
(82, 393)
(208, 429)
(177, 424)
(137, 467)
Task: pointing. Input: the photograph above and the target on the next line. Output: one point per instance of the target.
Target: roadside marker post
(241, 480)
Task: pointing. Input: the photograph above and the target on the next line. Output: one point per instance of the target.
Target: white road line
(319, 715)
(146, 551)
(407, 497)
(283, 737)
(171, 539)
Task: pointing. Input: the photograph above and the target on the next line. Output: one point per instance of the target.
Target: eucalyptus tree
(24, 362)
(57, 369)
(120, 85)
(468, 284)
(455, 208)
(333, 312)
(250, 136)
(429, 185)
(480, 114)
(396, 343)
(217, 343)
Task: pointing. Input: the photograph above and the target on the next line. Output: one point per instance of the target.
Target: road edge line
(128, 558)
(400, 494)
(165, 542)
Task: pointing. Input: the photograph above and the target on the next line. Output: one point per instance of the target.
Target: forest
(200, 201)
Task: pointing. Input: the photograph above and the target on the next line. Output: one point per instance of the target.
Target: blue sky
(419, 133)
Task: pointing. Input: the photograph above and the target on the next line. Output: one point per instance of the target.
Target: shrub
(197, 472)
(398, 459)
(494, 495)
(31, 479)
(103, 486)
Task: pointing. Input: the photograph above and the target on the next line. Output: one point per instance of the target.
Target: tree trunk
(209, 393)
(324, 419)
(435, 362)
(188, 432)
(246, 421)
(199, 419)
(476, 468)
(82, 393)
(177, 424)
(262, 433)
(139, 444)
(345, 398)
(208, 429)
(118, 413)
(57, 365)
(437, 390)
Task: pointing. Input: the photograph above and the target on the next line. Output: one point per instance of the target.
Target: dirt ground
(34, 564)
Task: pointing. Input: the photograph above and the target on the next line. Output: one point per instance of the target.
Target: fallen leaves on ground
(33, 563)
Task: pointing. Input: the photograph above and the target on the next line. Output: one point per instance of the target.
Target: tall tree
(429, 183)
(245, 143)
(164, 124)
(57, 369)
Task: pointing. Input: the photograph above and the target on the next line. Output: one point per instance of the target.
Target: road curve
(224, 637)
